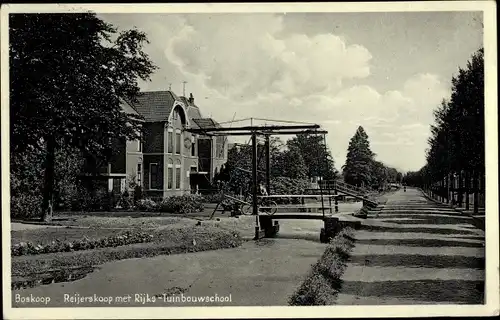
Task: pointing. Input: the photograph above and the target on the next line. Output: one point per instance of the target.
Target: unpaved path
(415, 252)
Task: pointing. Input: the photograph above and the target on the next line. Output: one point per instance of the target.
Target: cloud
(248, 65)
(240, 57)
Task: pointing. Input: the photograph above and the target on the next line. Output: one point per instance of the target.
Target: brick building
(170, 160)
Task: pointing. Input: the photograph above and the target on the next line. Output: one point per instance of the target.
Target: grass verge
(33, 270)
(323, 282)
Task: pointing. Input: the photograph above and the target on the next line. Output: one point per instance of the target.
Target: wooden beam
(251, 129)
(254, 178)
(268, 165)
(247, 171)
(246, 133)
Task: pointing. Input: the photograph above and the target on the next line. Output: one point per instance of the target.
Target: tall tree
(67, 79)
(317, 157)
(290, 164)
(456, 146)
(380, 174)
(358, 166)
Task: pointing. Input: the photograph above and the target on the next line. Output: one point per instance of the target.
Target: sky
(384, 71)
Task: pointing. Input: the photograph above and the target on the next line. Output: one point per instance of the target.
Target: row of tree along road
(455, 167)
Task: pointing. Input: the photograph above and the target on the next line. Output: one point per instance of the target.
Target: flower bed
(128, 237)
(34, 270)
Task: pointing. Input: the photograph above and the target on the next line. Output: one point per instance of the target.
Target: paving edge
(478, 223)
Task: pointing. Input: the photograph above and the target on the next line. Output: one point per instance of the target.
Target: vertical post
(335, 192)
(322, 200)
(254, 183)
(329, 197)
(268, 165)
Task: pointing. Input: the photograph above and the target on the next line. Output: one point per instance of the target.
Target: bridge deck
(301, 216)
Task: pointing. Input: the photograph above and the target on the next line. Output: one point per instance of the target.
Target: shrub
(26, 205)
(81, 199)
(324, 281)
(284, 185)
(213, 197)
(147, 205)
(29, 248)
(137, 194)
(186, 203)
(26, 184)
(123, 202)
(98, 200)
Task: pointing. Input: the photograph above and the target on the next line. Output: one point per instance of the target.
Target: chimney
(191, 98)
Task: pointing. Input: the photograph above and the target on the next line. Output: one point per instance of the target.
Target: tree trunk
(482, 188)
(460, 196)
(467, 187)
(475, 186)
(447, 190)
(441, 188)
(48, 191)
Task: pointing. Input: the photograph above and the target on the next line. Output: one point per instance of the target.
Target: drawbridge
(266, 223)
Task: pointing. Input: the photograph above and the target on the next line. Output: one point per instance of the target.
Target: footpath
(415, 251)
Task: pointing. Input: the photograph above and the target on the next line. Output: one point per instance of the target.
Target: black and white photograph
(177, 161)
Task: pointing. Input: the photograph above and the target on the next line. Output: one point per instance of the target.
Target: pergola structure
(291, 128)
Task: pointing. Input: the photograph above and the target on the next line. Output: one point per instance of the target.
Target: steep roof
(154, 105)
(206, 123)
(127, 107)
(194, 113)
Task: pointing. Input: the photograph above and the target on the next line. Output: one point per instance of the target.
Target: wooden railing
(341, 185)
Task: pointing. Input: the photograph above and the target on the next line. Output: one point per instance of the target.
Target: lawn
(170, 235)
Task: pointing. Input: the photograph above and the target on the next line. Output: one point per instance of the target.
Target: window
(193, 146)
(178, 175)
(178, 143)
(117, 186)
(139, 174)
(170, 141)
(170, 174)
(139, 143)
(219, 147)
(153, 176)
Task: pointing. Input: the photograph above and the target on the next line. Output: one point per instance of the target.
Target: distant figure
(404, 188)
(262, 190)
